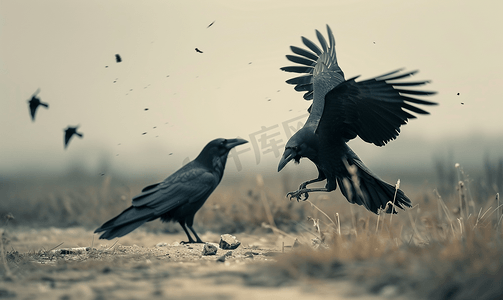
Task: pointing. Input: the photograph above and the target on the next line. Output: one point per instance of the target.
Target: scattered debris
(250, 254)
(211, 24)
(271, 253)
(161, 244)
(209, 249)
(228, 241)
(144, 133)
(146, 108)
(223, 257)
(198, 51)
(78, 250)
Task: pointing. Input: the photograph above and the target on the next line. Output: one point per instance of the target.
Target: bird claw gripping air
(298, 195)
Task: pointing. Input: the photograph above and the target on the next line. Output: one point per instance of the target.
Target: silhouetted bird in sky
(118, 58)
(69, 132)
(35, 103)
(373, 109)
(198, 51)
(179, 196)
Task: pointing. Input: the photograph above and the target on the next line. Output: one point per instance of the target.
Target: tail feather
(365, 188)
(127, 221)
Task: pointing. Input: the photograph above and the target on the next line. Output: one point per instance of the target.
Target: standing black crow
(118, 58)
(179, 196)
(35, 103)
(69, 132)
(372, 109)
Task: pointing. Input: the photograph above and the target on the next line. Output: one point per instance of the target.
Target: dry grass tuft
(451, 249)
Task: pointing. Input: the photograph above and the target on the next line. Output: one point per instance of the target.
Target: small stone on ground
(209, 249)
(228, 241)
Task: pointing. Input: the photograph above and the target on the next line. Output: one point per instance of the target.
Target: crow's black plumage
(372, 109)
(118, 58)
(34, 103)
(179, 196)
(69, 132)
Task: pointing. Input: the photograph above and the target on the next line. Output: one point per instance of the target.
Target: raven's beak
(287, 156)
(231, 143)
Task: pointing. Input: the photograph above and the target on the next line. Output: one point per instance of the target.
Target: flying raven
(35, 103)
(372, 109)
(179, 196)
(69, 132)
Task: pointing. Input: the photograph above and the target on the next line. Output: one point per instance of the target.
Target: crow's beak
(231, 143)
(287, 156)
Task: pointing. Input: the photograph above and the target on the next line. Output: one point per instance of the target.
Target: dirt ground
(144, 265)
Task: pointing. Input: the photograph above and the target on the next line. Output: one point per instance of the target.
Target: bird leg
(198, 240)
(304, 184)
(298, 193)
(191, 240)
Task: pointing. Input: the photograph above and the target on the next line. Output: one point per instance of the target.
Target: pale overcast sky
(234, 88)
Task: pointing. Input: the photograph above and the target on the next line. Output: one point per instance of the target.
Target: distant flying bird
(118, 58)
(210, 24)
(373, 109)
(198, 51)
(35, 103)
(69, 132)
(179, 196)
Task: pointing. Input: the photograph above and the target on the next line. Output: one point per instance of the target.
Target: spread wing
(312, 62)
(189, 184)
(372, 109)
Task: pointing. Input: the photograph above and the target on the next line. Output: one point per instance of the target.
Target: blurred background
(146, 116)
